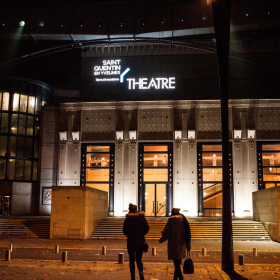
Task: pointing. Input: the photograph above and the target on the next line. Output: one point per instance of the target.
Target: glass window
(35, 148)
(30, 123)
(156, 148)
(31, 104)
(15, 101)
(37, 126)
(215, 174)
(155, 160)
(27, 170)
(14, 123)
(101, 187)
(3, 145)
(38, 106)
(97, 175)
(206, 148)
(2, 169)
(210, 189)
(155, 175)
(271, 174)
(19, 169)
(20, 146)
(269, 185)
(4, 123)
(5, 101)
(271, 159)
(22, 124)
(13, 144)
(98, 149)
(212, 159)
(28, 147)
(23, 103)
(271, 147)
(98, 160)
(11, 169)
(0, 99)
(34, 172)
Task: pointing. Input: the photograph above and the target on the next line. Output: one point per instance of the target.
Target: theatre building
(144, 125)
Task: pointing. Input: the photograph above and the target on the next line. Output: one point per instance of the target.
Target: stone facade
(266, 208)
(76, 211)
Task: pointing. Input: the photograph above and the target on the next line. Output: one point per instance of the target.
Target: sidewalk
(33, 269)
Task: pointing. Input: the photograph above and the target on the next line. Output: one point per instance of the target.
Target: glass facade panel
(4, 122)
(270, 159)
(23, 103)
(2, 169)
(97, 160)
(269, 185)
(212, 148)
(22, 124)
(5, 101)
(30, 124)
(19, 169)
(155, 160)
(211, 175)
(13, 145)
(28, 147)
(271, 174)
(98, 175)
(35, 148)
(14, 123)
(21, 147)
(212, 159)
(271, 147)
(15, 102)
(34, 171)
(27, 170)
(101, 187)
(155, 175)
(3, 145)
(98, 149)
(11, 169)
(1, 99)
(210, 189)
(31, 104)
(38, 106)
(155, 148)
(150, 199)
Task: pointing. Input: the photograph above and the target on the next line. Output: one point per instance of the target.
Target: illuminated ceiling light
(162, 20)
(81, 24)
(99, 24)
(183, 19)
(246, 14)
(269, 12)
(2, 23)
(22, 23)
(143, 23)
(121, 24)
(41, 23)
(61, 24)
(204, 17)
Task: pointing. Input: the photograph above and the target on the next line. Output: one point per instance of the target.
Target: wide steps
(25, 228)
(254, 231)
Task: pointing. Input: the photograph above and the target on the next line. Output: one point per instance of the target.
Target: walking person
(177, 232)
(135, 228)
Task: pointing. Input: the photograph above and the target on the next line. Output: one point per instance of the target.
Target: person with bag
(177, 232)
(135, 228)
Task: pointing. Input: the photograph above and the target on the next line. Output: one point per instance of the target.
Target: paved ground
(35, 258)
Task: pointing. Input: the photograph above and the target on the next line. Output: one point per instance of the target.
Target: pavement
(35, 258)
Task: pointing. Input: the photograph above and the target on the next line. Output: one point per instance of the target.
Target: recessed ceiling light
(22, 23)
(41, 23)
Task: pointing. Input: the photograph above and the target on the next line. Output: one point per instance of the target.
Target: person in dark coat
(135, 228)
(177, 232)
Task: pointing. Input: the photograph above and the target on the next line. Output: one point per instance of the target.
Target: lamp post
(221, 16)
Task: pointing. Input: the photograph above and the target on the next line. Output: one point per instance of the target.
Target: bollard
(241, 259)
(104, 250)
(154, 251)
(11, 248)
(121, 258)
(57, 249)
(8, 255)
(64, 256)
(255, 252)
(204, 252)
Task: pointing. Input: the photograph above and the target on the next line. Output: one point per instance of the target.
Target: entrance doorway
(155, 200)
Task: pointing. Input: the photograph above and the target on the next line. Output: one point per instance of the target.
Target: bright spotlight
(22, 23)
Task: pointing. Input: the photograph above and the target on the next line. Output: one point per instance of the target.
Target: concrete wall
(76, 211)
(266, 208)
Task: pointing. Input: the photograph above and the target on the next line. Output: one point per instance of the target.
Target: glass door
(155, 200)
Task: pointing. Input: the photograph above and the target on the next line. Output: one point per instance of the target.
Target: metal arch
(107, 41)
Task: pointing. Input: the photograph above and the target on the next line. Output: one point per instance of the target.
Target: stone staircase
(200, 230)
(25, 228)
